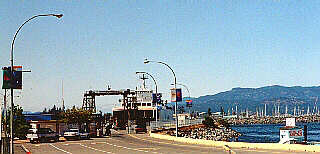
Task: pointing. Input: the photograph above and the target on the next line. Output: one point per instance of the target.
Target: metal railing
(172, 124)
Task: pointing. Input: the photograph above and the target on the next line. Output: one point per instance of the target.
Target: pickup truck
(42, 135)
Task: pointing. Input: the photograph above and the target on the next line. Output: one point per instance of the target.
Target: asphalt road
(122, 143)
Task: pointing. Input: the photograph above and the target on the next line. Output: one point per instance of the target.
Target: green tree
(209, 122)
(77, 116)
(209, 111)
(20, 125)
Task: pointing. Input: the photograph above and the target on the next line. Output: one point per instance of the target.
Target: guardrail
(172, 124)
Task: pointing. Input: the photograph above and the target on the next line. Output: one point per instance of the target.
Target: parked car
(84, 134)
(42, 135)
(140, 128)
(72, 134)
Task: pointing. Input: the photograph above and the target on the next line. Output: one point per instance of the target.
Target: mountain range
(255, 99)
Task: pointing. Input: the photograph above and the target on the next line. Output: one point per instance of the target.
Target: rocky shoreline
(272, 120)
(207, 133)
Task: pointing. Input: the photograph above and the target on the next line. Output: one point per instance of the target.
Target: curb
(25, 149)
(265, 146)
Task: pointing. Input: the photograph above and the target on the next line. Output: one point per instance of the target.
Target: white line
(95, 149)
(60, 149)
(25, 149)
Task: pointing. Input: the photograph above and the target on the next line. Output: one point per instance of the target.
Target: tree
(78, 116)
(57, 113)
(209, 111)
(209, 122)
(20, 125)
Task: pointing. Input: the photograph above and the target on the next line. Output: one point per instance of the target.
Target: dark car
(42, 135)
(140, 128)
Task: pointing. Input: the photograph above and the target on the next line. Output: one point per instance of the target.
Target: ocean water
(269, 133)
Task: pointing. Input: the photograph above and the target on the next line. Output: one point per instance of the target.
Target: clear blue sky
(212, 46)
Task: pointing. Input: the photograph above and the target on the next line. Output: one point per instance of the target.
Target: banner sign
(296, 133)
(189, 103)
(17, 77)
(176, 95)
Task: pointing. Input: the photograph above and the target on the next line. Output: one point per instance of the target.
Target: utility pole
(62, 98)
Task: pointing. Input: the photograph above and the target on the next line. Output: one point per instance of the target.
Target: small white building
(291, 134)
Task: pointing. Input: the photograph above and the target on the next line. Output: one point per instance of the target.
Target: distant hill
(255, 98)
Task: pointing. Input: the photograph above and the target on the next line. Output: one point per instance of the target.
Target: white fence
(172, 124)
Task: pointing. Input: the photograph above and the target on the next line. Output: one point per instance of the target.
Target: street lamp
(146, 61)
(156, 91)
(11, 78)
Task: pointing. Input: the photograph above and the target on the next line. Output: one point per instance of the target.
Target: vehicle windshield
(31, 131)
(44, 130)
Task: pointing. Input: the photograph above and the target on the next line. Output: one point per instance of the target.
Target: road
(122, 143)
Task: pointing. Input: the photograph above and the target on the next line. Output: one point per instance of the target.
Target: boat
(138, 108)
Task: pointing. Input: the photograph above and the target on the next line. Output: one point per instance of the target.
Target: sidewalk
(18, 149)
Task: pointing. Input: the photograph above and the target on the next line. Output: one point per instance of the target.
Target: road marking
(148, 148)
(95, 149)
(119, 146)
(60, 149)
(25, 149)
(100, 142)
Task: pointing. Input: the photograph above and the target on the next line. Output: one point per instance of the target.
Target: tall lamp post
(11, 78)
(146, 61)
(156, 91)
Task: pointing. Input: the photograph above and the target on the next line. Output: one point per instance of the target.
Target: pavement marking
(25, 149)
(60, 149)
(100, 142)
(149, 148)
(95, 149)
(119, 146)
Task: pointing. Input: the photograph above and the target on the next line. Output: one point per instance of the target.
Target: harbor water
(269, 133)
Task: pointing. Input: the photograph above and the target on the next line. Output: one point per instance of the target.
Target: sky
(212, 46)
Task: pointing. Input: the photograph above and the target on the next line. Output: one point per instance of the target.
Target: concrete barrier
(267, 146)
